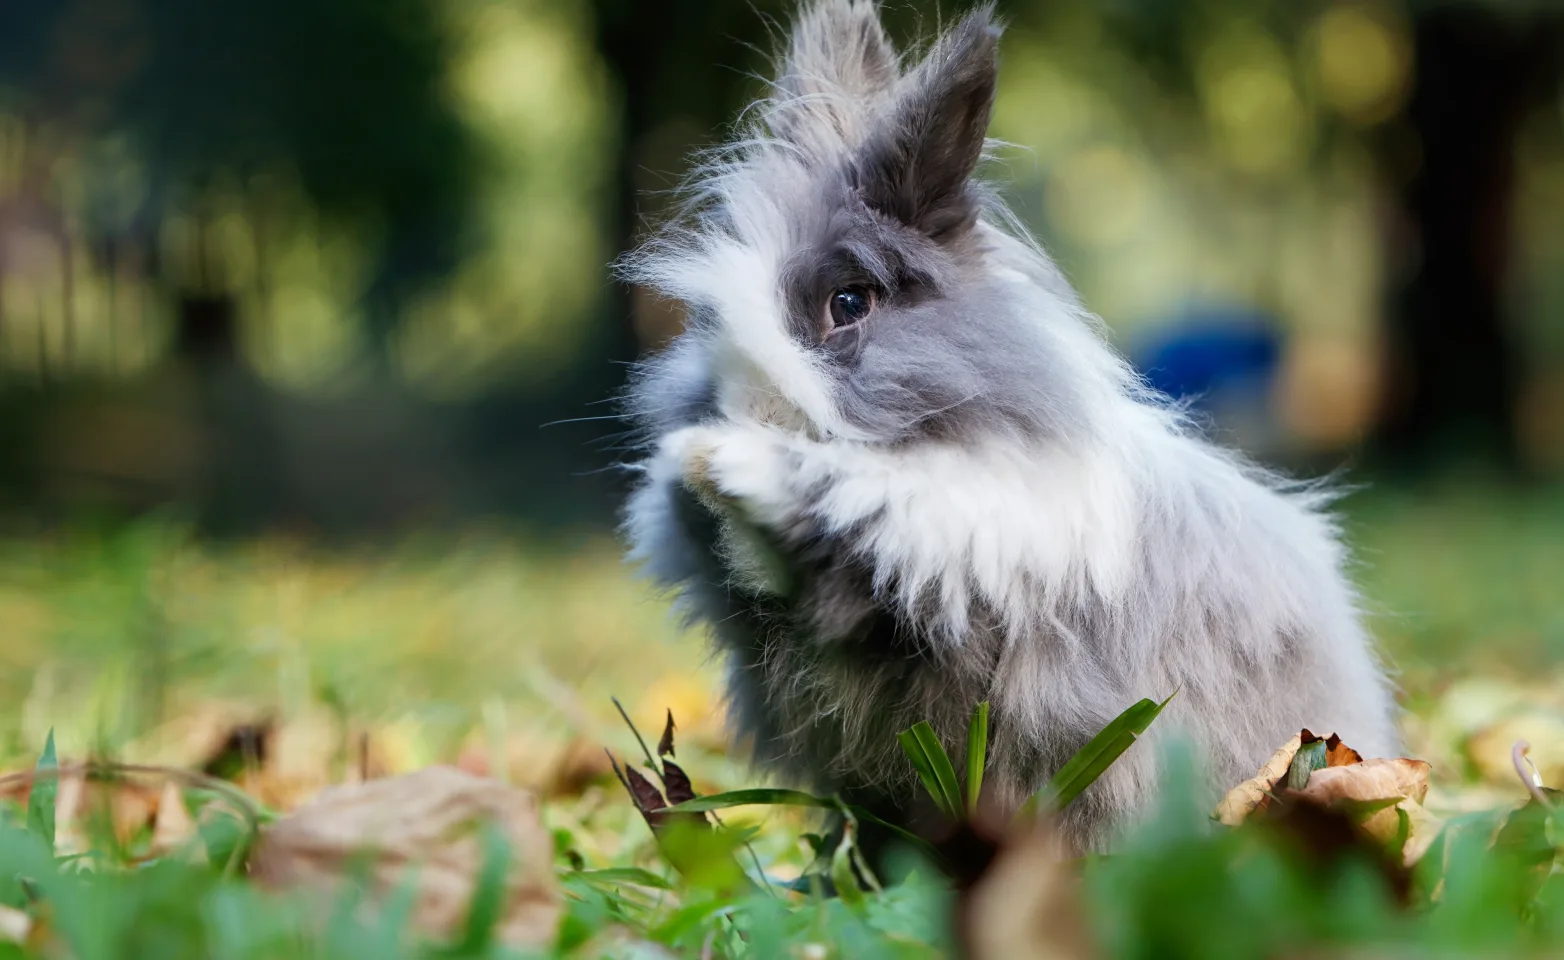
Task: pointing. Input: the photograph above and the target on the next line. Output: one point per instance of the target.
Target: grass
(502, 655)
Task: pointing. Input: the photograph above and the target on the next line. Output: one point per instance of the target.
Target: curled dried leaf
(1253, 794)
(1379, 790)
(429, 819)
(648, 799)
(678, 783)
(1337, 754)
(1026, 905)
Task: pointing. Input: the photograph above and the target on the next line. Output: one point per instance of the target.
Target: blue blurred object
(1213, 356)
(1224, 363)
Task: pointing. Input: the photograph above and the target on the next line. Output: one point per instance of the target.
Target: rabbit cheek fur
(966, 494)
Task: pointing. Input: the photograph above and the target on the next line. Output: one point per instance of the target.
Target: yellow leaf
(1248, 796)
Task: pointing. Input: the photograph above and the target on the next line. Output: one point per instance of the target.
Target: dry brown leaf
(129, 805)
(577, 767)
(1425, 828)
(420, 819)
(1369, 782)
(173, 827)
(195, 731)
(1337, 754)
(1026, 906)
(1247, 797)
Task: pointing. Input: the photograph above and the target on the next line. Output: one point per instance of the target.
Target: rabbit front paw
(738, 469)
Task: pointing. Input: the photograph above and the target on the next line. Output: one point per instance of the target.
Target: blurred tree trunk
(681, 66)
(206, 330)
(1456, 375)
(240, 460)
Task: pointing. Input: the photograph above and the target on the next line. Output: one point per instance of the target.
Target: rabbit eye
(850, 305)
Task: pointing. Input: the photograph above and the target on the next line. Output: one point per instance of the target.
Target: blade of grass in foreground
(1089, 763)
(922, 747)
(763, 797)
(41, 797)
(977, 755)
(921, 763)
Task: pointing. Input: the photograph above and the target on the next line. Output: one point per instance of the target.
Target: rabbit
(895, 466)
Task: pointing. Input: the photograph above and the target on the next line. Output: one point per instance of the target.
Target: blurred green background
(306, 332)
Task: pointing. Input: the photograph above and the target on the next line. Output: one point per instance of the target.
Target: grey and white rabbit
(895, 466)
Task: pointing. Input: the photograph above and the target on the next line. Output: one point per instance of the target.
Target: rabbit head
(845, 275)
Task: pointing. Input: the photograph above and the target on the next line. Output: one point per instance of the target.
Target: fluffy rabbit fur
(895, 466)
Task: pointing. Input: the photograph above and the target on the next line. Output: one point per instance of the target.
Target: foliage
(232, 620)
(1181, 886)
(350, 98)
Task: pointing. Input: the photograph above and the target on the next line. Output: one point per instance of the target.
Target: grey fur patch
(917, 162)
(967, 364)
(838, 66)
(676, 390)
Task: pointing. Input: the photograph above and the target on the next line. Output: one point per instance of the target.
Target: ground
(503, 654)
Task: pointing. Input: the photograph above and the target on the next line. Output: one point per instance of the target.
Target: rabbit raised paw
(894, 465)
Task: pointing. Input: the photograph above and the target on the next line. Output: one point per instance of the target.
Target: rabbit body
(896, 467)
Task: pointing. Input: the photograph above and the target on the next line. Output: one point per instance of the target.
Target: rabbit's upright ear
(918, 164)
(838, 67)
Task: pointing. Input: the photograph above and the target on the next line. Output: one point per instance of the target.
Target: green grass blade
(757, 797)
(1089, 763)
(489, 893)
(842, 876)
(764, 797)
(41, 798)
(977, 755)
(614, 876)
(913, 747)
(944, 770)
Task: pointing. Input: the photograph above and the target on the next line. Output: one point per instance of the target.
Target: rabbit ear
(917, 166)
(839, 65)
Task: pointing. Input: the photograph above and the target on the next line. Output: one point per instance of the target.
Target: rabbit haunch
(966, 494)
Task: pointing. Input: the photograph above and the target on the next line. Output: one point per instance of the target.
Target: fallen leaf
(1247, 797)
(1383, 786)
(1026, 905)
(1323, 839)
(1337, 754)
(579, 765)
(195, 734)
(243, 747)
(173, 827)
(82, 804)
(1424, 826)
(421, 819)
(1254, 795)
(648, 799)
